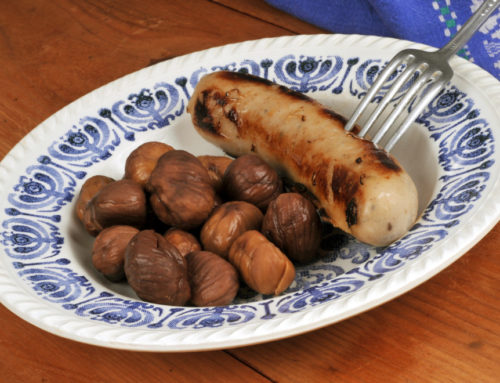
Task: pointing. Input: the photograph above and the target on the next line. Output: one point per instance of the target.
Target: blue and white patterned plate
(46, 276)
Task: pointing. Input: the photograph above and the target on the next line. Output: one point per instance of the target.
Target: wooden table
(54, 51)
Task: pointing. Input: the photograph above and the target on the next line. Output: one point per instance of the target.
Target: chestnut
(181, 192)
(88, 190)
(261, 264)
(142, 160)
(108, 252)
(121, 202)
(332, 238)
(249, 178)
(155, 269)
(214, 281)
(184, 241)
(292, 223)
(216, 166)
(217, 201)
(228, 222)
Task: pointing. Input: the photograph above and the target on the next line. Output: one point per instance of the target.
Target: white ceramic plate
(46, 276)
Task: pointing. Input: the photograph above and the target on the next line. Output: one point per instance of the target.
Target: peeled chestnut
(249, 178)
(184, 241)
(228, 222)
(214, 281)
(108, 252)
(88, 190)
(121, 202)
(262, 265)
(181, 192)
(216, 166)
(141, 161)
(292, 223)
(155, 269)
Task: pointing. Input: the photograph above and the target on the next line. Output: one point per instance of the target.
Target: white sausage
(362, 189)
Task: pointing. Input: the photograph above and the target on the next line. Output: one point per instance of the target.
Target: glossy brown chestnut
(184, 241)
(249, 178)
(228, 222)
(261, 264)
(155, 269)
(216, 166)
(121, 202)
(292, 223)
(142, 160)
(108, 252)
(181, 192)
(88, 190)
(214, 281)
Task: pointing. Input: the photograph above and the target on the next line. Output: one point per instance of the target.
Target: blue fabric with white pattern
(431, 22)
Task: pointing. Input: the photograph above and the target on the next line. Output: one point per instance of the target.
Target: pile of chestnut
(184, 229)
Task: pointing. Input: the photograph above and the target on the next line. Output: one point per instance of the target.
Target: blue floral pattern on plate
(32, 238)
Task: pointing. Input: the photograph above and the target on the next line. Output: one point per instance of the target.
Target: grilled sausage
(362, 189)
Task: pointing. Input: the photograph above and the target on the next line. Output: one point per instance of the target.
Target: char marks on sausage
(360, 187)
(203, 115)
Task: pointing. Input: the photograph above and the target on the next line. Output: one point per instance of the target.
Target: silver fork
(425, 72)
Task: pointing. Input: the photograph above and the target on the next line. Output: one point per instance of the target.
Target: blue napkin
(431, 22)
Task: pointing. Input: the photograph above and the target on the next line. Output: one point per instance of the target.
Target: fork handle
(469, 28)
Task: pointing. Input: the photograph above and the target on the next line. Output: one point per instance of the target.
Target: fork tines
(411, 72)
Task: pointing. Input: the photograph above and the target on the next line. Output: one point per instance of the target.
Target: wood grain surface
(55, 51)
